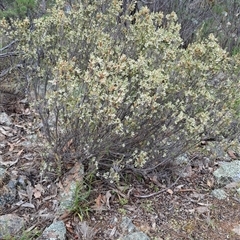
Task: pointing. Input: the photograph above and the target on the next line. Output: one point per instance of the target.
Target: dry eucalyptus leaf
(232, 154)
(170, 191)
(40, 188)
(8, 163)
(11, 146)
(210, 182)
(179, 186)
(202, 210)
(37, 194)
(29, 190)
(98, 206)
(108, 196)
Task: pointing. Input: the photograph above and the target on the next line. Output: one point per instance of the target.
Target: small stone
(228, 172)
(238, 191)
(56, 231)
(127, 225)
(236, 229)
(218, 151)
(219, 194)
(4, 119)
(73, 177)
(10, 224)
(182, 160)
(2, 175)
(7, 188)
(136, 236)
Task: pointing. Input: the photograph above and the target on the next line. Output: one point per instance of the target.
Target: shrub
(17, 8)
(200, 18)
(224, 24)
(119, 92)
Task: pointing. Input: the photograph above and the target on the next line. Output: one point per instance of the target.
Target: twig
(157, 193)
(8, 70)
(186, 190)
(8, 54)
(9, 45)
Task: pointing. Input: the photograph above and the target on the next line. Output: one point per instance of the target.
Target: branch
(8, 54)
(9, 45)
(157, 193)
(6, 71)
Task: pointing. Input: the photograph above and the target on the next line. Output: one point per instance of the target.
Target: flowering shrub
(119, 92)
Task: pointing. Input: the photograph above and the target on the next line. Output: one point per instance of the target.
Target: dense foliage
(199, 18)
(119, 91)
(17, 8)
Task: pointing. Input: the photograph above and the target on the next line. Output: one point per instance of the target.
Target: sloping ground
(176, 208)
(186, 211)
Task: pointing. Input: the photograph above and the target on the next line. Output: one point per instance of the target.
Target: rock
(127, 225)
(219, 194)
(4, 119)
(228, 172)
(2, 176)
(238, 191)
(56, 231)
(10, 224)
(182, 160)
(218, 151)
(136, 236)
(236, 229)
(183, 166)
(232, 185)
(73, 177)
(7, 188)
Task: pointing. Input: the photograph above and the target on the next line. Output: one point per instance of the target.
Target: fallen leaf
(154, 179)
(6, 131)
(28, 205)
(179, 186)
(2, 137)
(98, 206)
(29, 190)
(98, 200)
(210, 182)
(11, 146)
(8, 163)
(170, 191)
(232, 185)
(69, 227)
(202, 210)
(108, 196)
(232, 154)
(22, 194)
(24, 204)
(20, 152)
(204, 204)
(39, 187)
(191, 211)
(68, 145)
(86, 231)
(112, 232)
(197, 195)
(37, 194)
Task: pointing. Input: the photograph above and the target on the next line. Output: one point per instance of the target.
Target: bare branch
(9, 45)
(8, 54)
(8, 70)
